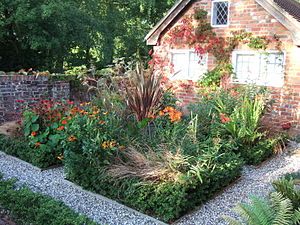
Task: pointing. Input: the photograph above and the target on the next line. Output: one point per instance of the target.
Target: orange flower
(72, 138)
(87, 103)
(112, 144)
(91, 116)
(168, 109)
(161, 113)
(61, 128)
(122, 147)
(64, 122)
(101, 122)
(104, 144)
(33, 133)
(60, 157)
(95, 112)
(152, 116)
(37, 144)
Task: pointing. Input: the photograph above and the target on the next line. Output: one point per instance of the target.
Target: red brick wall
(251, 17)
(28, 88)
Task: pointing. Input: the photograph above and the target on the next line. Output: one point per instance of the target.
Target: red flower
(72, 138)
(64, 122)
(61, 128)
(33, 133)
(37, 144)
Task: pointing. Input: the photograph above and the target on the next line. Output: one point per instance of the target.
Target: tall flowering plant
(92, 133)
(44, 129)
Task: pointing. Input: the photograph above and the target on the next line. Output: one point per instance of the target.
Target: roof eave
(153, 36)
(283, 17)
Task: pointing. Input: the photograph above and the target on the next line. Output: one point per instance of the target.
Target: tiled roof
(290, 6)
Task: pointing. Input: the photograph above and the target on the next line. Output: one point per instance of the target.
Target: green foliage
(41, 34)
(234, 115)
(167, 200)
(288, 189)
(28, 207)
(94, 133)
(276, 211)
(47, 35)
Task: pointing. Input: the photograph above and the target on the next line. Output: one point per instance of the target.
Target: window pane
(197, 65)
(179, 61)
(220, 13)
(246, 71)
(272, 69)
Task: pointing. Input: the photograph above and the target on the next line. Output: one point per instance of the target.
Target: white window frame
(186, 73)
(276, 82)
(212, 13)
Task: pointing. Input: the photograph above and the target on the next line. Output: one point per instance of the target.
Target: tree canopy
(48, 34)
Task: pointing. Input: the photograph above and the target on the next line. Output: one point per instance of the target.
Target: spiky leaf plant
(144, 92)
(276, 211)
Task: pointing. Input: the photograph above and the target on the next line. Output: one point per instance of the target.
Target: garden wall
(28, 88)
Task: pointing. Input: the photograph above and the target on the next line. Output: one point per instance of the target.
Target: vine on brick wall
(203, 39)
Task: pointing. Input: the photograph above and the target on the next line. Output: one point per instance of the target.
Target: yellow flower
(104, 113)
(87, 103)
(60, 157)
(104, 144)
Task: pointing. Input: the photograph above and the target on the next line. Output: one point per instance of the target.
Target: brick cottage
(276, 67)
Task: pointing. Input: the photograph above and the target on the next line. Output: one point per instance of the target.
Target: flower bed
(151, 157)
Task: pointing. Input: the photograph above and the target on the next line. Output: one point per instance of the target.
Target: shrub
(163, 184)
(27, 207)
(235, 115)
(93, 133)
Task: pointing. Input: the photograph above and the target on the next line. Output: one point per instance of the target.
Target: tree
(41, 33)
(47, 34)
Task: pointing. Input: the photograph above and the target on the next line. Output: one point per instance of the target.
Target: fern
(288, 189)
(276, 211)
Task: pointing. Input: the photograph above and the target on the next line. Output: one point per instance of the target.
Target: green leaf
(35, 127)
(54, 126)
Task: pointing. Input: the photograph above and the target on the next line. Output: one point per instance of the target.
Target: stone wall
(29, 89)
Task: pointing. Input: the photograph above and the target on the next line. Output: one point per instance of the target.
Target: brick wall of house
(249, 16)
(28, 88)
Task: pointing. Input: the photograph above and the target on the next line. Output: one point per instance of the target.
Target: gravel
(52, 182)
(104, 211)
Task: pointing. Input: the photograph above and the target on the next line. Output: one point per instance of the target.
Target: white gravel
(104, 211)
(52, 182)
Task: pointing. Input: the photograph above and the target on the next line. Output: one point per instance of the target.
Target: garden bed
(151, 158)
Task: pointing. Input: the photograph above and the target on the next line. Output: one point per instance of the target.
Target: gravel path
(51, 182)
(104, 211)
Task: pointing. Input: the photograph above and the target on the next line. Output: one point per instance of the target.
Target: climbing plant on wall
(201, 37)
